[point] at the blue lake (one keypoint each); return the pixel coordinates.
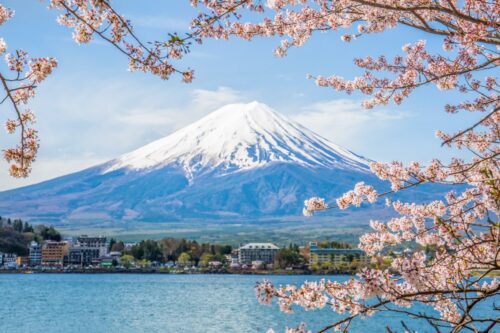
(134, 303)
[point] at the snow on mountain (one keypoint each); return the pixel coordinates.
(241, 161)
(240, 137)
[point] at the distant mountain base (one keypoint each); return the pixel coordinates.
(231, 232)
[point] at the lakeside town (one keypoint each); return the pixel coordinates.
(92, 253)
(43, 249)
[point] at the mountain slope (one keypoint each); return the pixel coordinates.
(241, 161)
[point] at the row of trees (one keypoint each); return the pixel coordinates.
(185, 251)
(334, 244)
(15, 235)
(174, 249)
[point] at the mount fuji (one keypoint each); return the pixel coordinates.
(241, 161)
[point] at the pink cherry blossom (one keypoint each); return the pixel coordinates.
(461, 229)
(452, 242)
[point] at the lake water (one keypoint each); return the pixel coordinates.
(134, 303)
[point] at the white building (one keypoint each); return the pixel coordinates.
(35, 254)
(9, 260)
(264, 252)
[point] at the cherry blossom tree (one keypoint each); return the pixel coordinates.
(463, 227)
(88, 19)
(19, 86)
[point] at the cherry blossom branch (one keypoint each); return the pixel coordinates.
(87, 19)
(470, 128)
(23, 161)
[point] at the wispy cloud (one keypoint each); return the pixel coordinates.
(86, 126)
(47, 168)
(199, 103)
(212, 99)
(345, 122)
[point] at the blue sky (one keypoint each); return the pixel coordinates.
(92, 109)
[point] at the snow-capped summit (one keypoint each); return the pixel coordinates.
(239, 137)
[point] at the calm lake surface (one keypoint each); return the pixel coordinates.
(134, 303)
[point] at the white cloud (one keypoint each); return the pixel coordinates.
(93, 123)
(213, 99)
(346, 122)
(200, 103)
(44, 169)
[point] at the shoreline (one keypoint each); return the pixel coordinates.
(191, 272)
(173, 272)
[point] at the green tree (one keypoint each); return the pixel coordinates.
(12, 241)
(184, 259)
(127, 260)
(147, 249)
(205, 259)
(315, 267)
(27, 227)
(219, 257)
(288, 257)
(333, 244)
(47, 233)
(327, 266)
(112, 242)
(143, 263)
(18, 225)
(226, 249)
(119, 246)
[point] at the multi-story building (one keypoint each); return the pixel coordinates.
(336, 257)
(35, 254)
(22, 261)
(9, 259)
(88, 251)
(264, 252)
(83, 256)
(98, 242)
(53, 253)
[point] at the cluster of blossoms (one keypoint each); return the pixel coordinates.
(461, 231)
(5, 14)
(360, 193)
(19, 87)
(355, 197)
(314, 205)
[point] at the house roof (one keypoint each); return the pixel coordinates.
(263, 246)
